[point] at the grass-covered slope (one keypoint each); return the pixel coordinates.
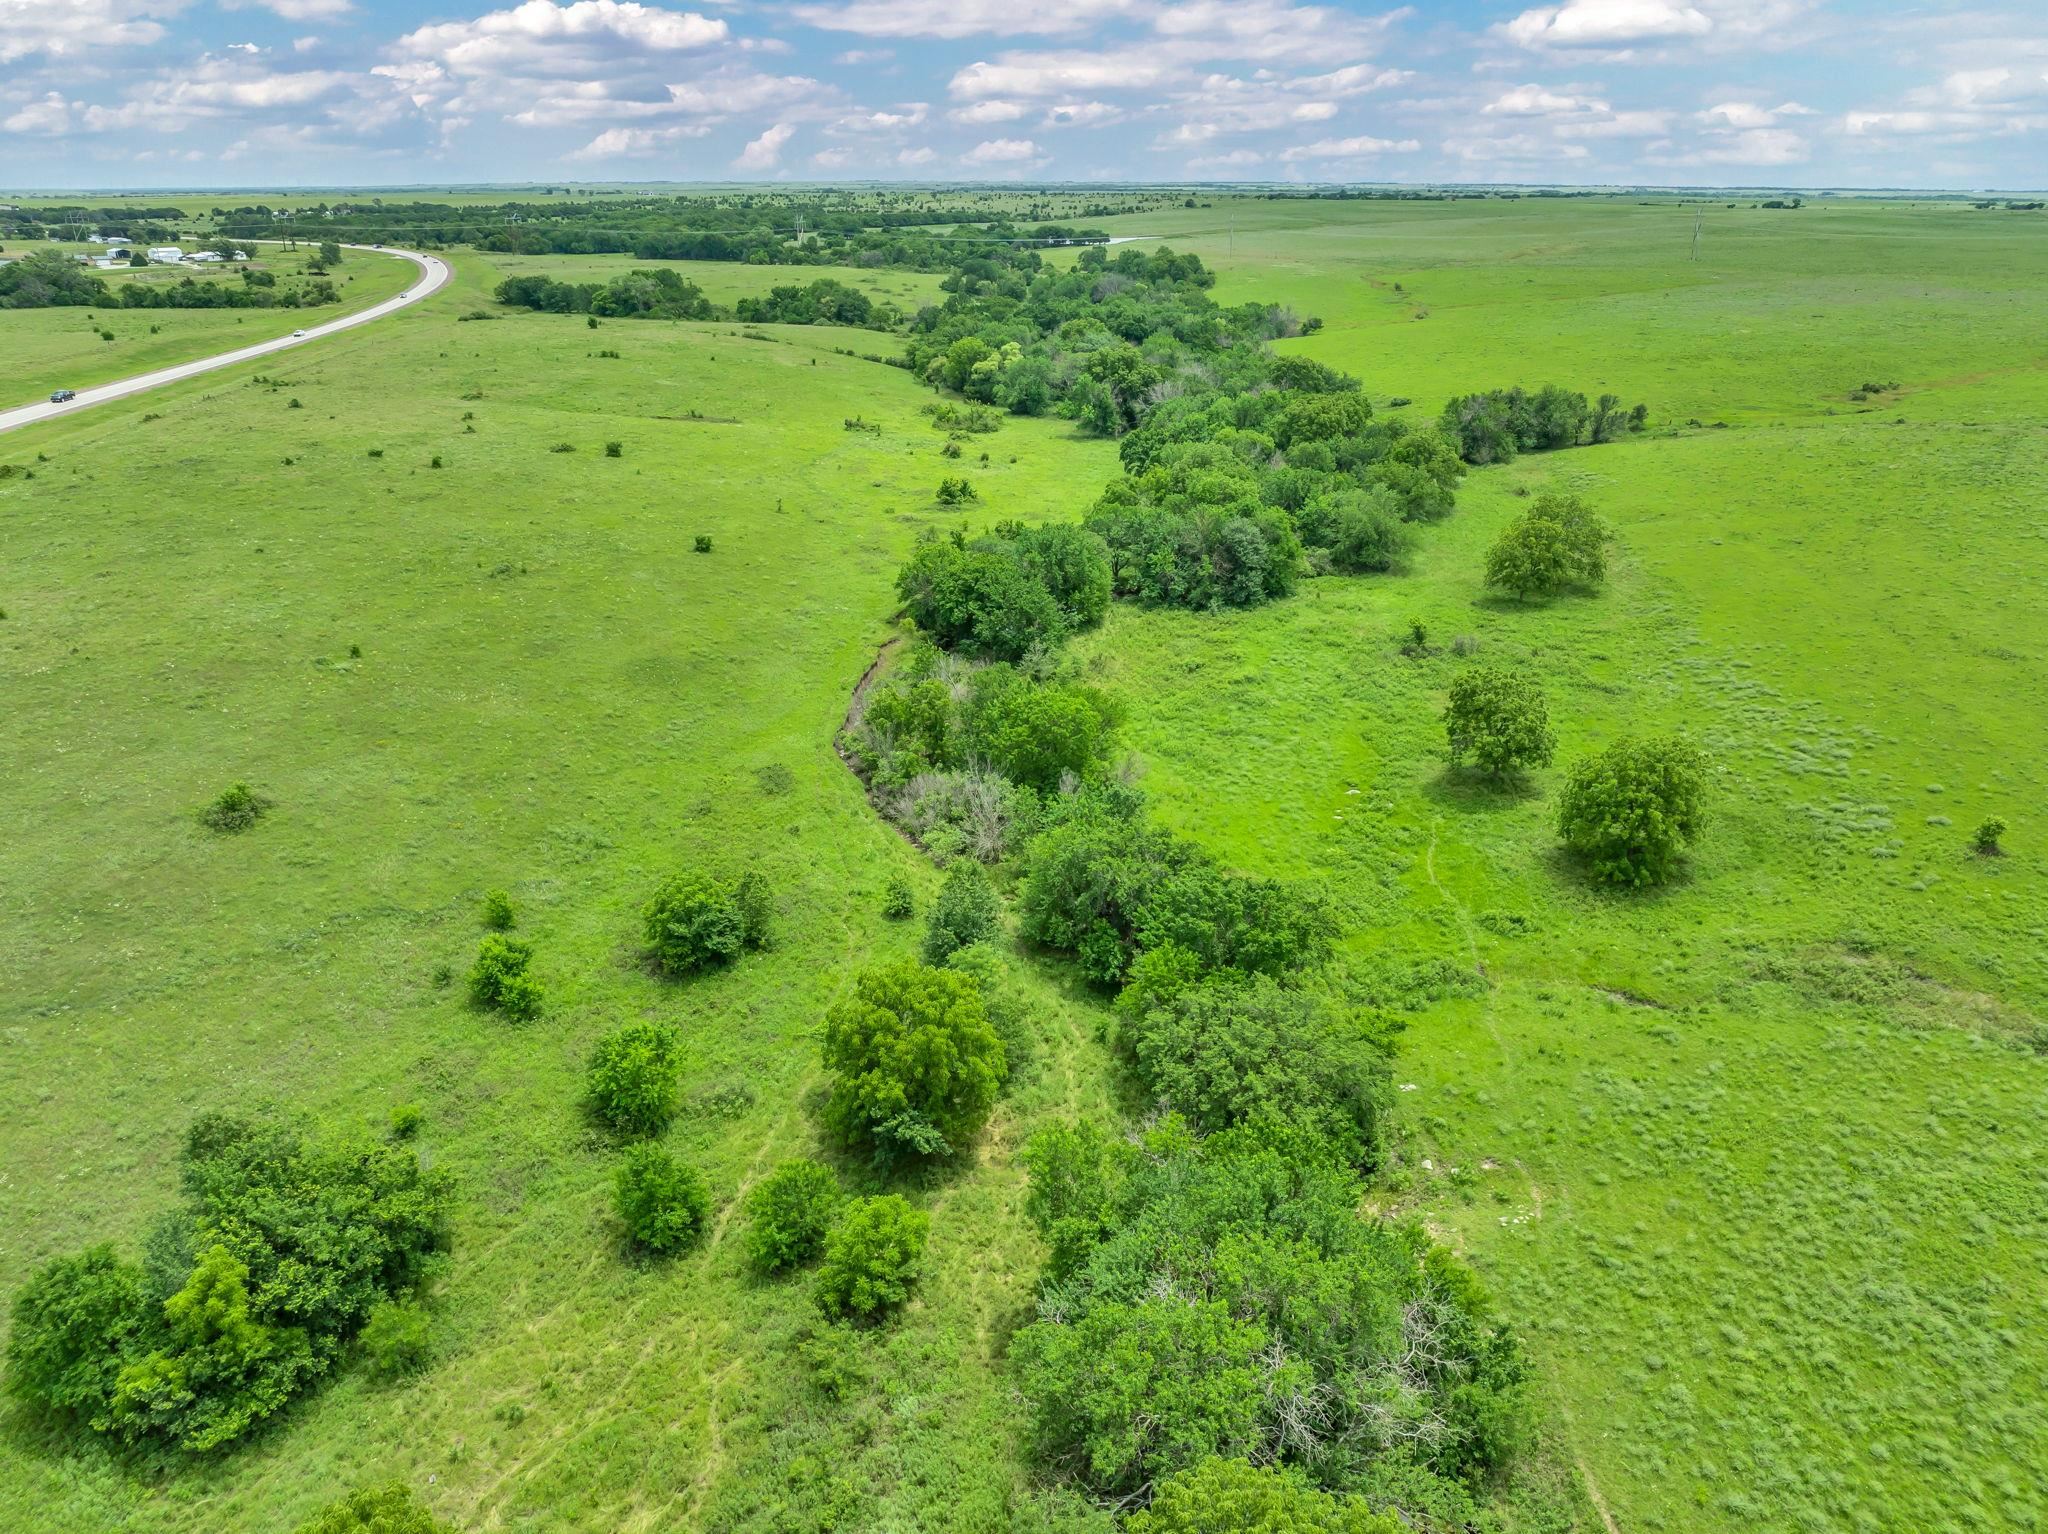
(555, 695)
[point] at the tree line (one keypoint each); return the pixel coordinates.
(47, 280)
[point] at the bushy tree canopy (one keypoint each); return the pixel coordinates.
(1555, 544)
(698, 919)
(915, 1065)
(872, 1257)
(790, 1210)
(1236, 1304)
(634, 1072)
(1231, 1051)
(1499, 719)
(283, 1249)
(663, 1202)
(1631, 810)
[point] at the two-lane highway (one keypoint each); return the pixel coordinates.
(433, 273)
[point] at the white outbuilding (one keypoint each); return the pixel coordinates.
(169, 254)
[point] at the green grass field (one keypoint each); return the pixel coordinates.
(1757, 1162)
(63, 348)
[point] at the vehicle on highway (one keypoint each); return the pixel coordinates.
(62, 395)
(298, 335)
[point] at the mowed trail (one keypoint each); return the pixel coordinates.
(434, 272)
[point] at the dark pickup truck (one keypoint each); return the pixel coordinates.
(62, 395)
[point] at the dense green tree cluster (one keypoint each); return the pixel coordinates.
(1103, 882)
(663, 1202)
(251, 1292)
(1001, 595)
(1496, 426)
(1231, 1049)
(45, 280)
(964, 757)
(1630, 810)
(634, 1073)
(654, 294)
(1243, 470)
(1225, 1297)
(1499, 719)
(824, 302)
(764, 228)
(872, 1257)
(791, 1210)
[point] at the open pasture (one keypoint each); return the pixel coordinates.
(1757, 1163)
(555, 695)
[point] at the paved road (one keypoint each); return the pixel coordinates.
(433, 273)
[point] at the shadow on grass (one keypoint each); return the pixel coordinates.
(1469, 791)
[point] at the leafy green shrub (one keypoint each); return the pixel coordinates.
(1557, 543)
(698, 919)
(614, 449)
(1015, 1013)
(497, 911)
(1986, 837)
(1038, 734)
(1631, 810)
(831, 1354)
(634, 1073)
(790, 1211)
(1234, 922)
(236, 809)
(915, 1066)
(406, 1120)
(701, 543)
(1229, 1496)
(1086, 879)
(73, 1323)
(1499, 719)
(954, 489)
(899, 898)
(872, 1257)
(282, 1252)
(390, 1509)
(966, 911)
(979, 598)
(398, 1339)
(499, 979)
(1231, 1051)
(663, 1202)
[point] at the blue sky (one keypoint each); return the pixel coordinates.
(184, 93)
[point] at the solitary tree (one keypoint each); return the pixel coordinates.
(330, 253)
(1498, 718)
(1631, 810)
(1557, 543)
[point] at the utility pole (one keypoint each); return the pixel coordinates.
(1697, 214)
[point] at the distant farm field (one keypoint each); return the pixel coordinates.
(1757, 1163)
(65, 348)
